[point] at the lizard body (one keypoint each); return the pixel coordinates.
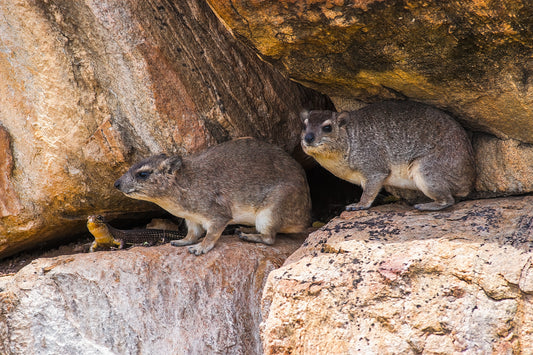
(106, 236)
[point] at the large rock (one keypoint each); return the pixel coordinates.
(158, 300)
(88, 87)
(473, 58)
(392, 280)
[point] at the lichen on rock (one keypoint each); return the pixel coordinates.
(408, 283)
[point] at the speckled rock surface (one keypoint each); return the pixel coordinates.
(157, 300)
(88, 87)
(392, 280)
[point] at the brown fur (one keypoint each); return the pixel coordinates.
(244, 181)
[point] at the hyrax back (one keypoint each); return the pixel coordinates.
(393, 143)
(244, 181)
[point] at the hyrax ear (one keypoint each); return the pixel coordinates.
(342, 118)
(304, 115)
(171, 164)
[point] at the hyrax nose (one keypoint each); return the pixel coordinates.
(117, 184)
(309, 138)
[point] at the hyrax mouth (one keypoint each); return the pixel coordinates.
(313, 145)
(133, 193)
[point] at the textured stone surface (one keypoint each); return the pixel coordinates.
(472, 58)
(504, 166)
(88, 87)
(9, 203)
(395, 281)
(157, 300)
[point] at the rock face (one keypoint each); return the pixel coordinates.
(472, 59)
(395, 281)
(158, 300)
(504, 166)
(87, 87)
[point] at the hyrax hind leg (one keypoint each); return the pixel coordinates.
(434, 185)
(194, 233)
(266, 227)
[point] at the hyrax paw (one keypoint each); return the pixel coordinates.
(246, 237)
(241, 235)
(179, 242)
(245, 230)
(250, 237)
(432, 206)
(356, 207)
(199, 249)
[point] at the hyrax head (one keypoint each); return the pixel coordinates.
(321, 129)
(150, 178)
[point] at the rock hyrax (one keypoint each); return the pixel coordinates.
(244, 181)
(393, 143)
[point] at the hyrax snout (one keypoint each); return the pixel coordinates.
(244, 181)
(393, 143)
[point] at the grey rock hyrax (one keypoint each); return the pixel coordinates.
(402, 144)
(244, 181)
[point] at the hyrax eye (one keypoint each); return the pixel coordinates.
(143, 174)
(327, 128)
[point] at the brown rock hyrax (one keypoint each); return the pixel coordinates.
(244, 181)
(393, 143)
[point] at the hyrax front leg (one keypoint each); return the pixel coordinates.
(371, 187)
(214, 231)
(194, 233)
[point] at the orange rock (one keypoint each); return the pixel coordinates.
(408, 282)
(504, 166)
(88, 88)
(471, 58)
